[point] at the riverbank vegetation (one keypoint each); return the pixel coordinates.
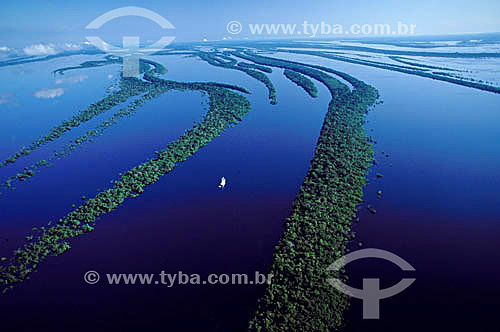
(316, 233)
(402, 69)
(318, 230)
(226, 108)
(221, 60)
(302, 81)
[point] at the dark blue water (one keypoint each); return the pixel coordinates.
(182, 223)
(439, 207)
(438, 210)
(439, 204)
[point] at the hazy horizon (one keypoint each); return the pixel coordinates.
(62, 21)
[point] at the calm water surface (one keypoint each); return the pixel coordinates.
(438, 210)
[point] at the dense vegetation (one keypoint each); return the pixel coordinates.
(254, 66)
(302, 68)
(327, 199)
(144, 65)
(401, 69)
(302, 81)
(128, 87)
(108, 60)
(221, 60)
(411, 63)
(319, 226)
(227, 108)
(154, 88)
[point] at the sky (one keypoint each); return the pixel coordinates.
(27, 22)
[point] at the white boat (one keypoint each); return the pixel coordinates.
(222, 183)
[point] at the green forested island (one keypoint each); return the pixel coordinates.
(318, 228)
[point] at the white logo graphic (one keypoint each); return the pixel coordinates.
(371, 294)
(91, 277)
(131, 52)
(234, 27)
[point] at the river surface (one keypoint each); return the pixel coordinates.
(438, 209)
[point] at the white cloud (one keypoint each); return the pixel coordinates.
(72, 79)
(40, 49)
(72, 47)
(4, 49)
(102, 45)
(5, 98)
(49, 93)
(105, 46)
